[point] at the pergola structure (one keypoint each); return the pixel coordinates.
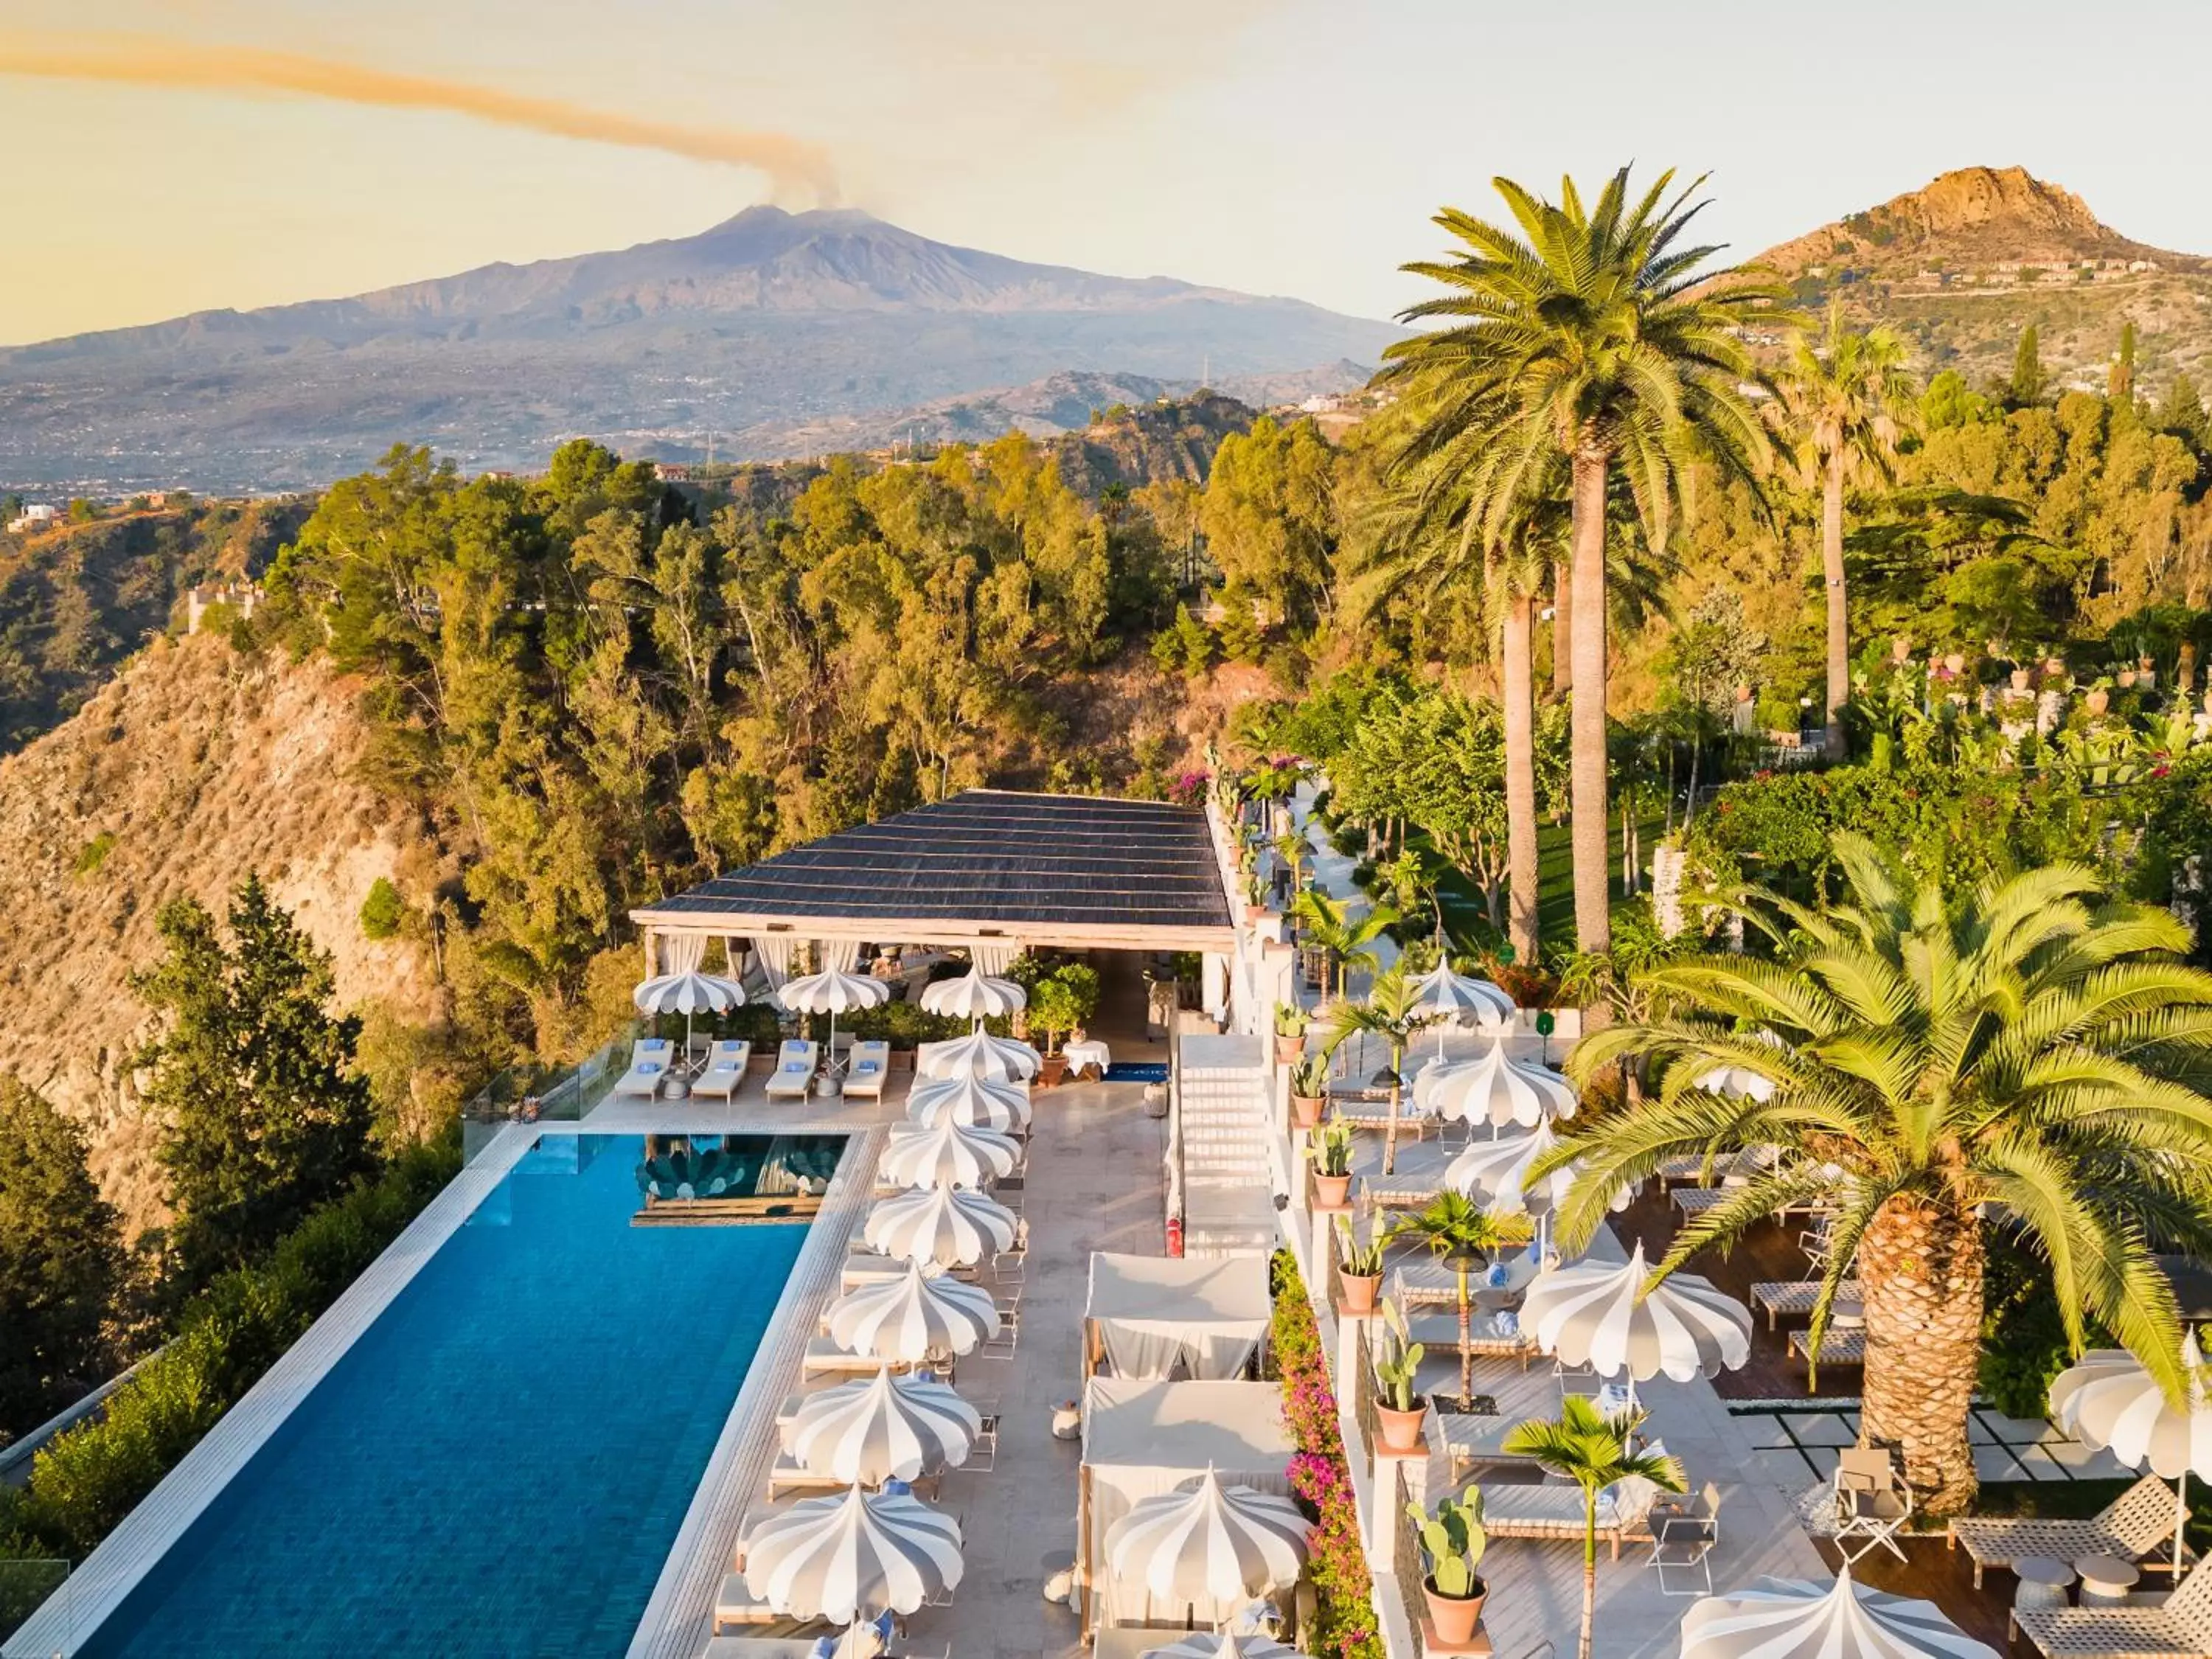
(991, 871)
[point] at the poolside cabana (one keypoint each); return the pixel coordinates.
(1154, 1316)
(1141, 1439)
(990, 873)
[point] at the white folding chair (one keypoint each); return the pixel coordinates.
(1872, 1505)
(1002, 1346)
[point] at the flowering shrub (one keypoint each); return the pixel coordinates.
(1343, 1618)
(1188, 788)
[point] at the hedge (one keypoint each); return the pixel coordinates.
(89, 1478)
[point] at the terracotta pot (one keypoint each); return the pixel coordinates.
(1288, 1048)
(2020, 677)
(1955, 661)
(2126, 677)
(1332, 1192)
(1305, 1111)
(1454, 1617)
(2099, 701)
(1053, 1069)
(1359, 1290)
(1400, 1431)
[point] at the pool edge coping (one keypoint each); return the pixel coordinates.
(115, 1567)
(678, 1616)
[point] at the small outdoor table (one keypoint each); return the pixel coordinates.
(2106, 1580)
(1088, 1052)
(2042, 1582)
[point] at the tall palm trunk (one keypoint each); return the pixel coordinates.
(1521, 857)
(1391, 1130)
(1590, 1570)
(1839, 617)
(1562, 631)
(1920, 1268)
(1593, 876)
(1466, 1340)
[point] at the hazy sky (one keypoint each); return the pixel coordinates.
(1292, 147)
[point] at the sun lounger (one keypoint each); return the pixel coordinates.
(2183, 1626)
(867, 1066)
(825, 1359)
(726, 1069)
(1623, 1510)
(794, 1075)
(651, 1060)
(2134, 1524)
(788, 1475)
(1839, 1347)
(1439, 1333)
(1789, 1297)
(736, 1605)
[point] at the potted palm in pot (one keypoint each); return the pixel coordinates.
(1359, 1273)
(1308, 1091)
(1399, 1406)
(1454, 1541)
(1332, 1160)
(1289, 1032)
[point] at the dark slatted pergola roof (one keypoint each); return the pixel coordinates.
(987, 862)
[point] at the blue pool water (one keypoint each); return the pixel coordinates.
(500, 1463)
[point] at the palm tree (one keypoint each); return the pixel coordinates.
(1462, 1232)
(1391, 1012)
(1345, 941)
(1591, 334)
(2035, 1052)
(1844, 402)
(1594, 1451)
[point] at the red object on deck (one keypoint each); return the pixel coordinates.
(1175, 1235)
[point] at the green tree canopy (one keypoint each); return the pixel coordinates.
(61, 1261)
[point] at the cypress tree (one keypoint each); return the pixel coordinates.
(61, 1261)
(2028, 379)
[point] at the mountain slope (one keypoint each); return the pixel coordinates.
(768, 319)
(191, 768)
(1963, 265)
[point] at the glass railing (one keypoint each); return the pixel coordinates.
(542, 1094)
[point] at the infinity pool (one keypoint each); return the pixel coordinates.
(501, 1461)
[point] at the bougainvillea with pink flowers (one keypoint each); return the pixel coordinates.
(1343, 1618)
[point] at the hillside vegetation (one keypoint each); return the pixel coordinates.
(1962, 265)
(194, 765)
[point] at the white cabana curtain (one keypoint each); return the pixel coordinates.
(773, 953)
(1214, 983)
(682, 953)
(1140, 1439)
(1157, 1314)
(842, 954)
(992, 956)
(733, 952)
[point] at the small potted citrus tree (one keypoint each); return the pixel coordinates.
(1453, 1541)
(1053, 1013)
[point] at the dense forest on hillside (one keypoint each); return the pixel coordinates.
(78, 598)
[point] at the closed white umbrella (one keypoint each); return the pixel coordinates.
(946, 1153)
(1449, 997)
(1495, 1174)
(904, 1320)
(1209, 1542)
(979, 1054)
(1596, 1314)
(1219, 1645)
(844, 1558)
(883, 1427)
(948, 1226)
(1792, 1619)
(688, 994)
(833, 992)
(2109, 1399)
(981, 1101)
(977, 996)
(1738, 1083)
(1496, 1089)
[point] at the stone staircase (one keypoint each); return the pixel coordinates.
(1228, 1191)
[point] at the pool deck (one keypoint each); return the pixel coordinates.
(1093, 1181)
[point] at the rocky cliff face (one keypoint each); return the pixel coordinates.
(191, 767)
(1973, 215)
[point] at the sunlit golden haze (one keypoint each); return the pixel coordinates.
(248, 152)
